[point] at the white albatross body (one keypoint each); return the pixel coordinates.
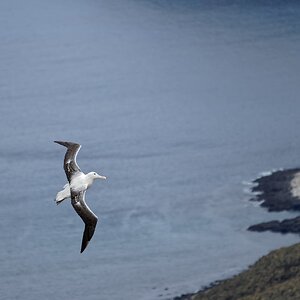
(80, 182)
(76, 188)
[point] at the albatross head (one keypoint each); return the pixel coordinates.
(95, 175)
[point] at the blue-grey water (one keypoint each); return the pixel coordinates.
(178, 103)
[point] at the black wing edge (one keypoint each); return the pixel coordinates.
(70, 164)
(88, 217)
(87, 235)
(66, 144)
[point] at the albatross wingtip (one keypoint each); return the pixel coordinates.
(83, 248)
(61, 143)
(88, 233)
(67, 144)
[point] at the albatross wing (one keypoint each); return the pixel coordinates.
(87, 216)
(70, 164)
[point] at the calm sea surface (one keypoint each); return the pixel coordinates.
(178, 103)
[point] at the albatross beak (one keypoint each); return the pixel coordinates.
(101, 177)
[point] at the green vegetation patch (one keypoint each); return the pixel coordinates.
(275, 276)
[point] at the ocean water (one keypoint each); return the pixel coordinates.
(179, 104)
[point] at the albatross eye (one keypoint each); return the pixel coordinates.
(94, 173)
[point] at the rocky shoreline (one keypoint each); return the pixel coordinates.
(276, 193)
(276, 275)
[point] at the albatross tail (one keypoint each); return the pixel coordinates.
(63, 194)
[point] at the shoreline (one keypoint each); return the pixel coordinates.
(277, 274)
(273, 276)
(277, 192)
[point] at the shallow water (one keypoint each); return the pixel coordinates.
(177, 103)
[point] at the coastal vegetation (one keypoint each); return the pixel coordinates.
(275, 276)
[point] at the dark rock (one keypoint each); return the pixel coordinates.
(286, 226)
(184, 297)
(275, 191)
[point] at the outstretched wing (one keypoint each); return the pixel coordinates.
(87, 216)
(70, 164)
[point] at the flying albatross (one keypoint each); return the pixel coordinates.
(76, 188)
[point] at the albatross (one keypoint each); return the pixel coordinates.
(78, 183)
